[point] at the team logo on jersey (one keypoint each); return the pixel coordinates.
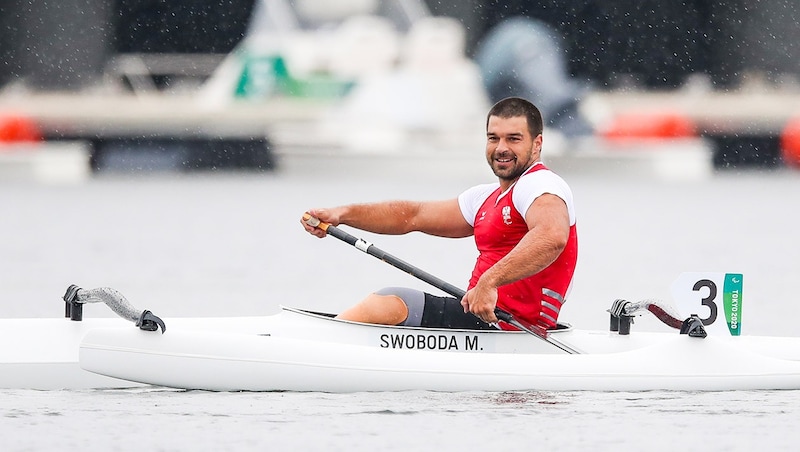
(506, 214)
(483, 215)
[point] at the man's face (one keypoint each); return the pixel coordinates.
(510, 149)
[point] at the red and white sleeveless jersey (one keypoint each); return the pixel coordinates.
(498, 222)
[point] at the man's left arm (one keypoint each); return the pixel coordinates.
(548, 232)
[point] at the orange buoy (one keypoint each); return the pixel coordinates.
(16, 128)
(790, 143)
(650, 125)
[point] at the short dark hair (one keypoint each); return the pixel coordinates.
(516, 106)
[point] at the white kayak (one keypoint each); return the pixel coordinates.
(297, 350)
(42, 353)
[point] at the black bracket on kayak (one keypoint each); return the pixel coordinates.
(620, 319)
(73, 309)
(150, 322)
(622, 312)
(693, 326)
(145, 320)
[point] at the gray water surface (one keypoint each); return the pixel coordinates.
(231, 244)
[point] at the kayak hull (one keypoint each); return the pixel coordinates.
(294, 357)
(297, 350)
(42, 353)
(236, 362)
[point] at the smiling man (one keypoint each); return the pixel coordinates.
(524, 229)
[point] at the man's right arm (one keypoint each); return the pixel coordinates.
(440, 218)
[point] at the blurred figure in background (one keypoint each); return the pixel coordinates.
(523, 57)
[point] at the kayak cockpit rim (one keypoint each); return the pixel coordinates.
(562, 327)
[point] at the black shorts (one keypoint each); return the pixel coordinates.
(447, 312)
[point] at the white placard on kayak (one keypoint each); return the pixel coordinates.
(714, 296)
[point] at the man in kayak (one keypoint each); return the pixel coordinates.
(524, 229)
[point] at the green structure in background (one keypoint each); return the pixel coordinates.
(264, 76)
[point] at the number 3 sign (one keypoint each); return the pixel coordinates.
(715, 297)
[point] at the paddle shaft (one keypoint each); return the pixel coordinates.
(374, 251)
